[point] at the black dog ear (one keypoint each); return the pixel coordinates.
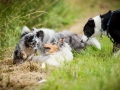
(101, 16)
(90, 19)
(40, 34)
(91, 22)
(109, 11)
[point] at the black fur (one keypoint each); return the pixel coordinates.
(24, 34)
(89, 28)
(28, 41)
(104, 19)
(114, 26)
(17, 55)
(40, 34)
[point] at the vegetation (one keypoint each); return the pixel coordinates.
(90, 70)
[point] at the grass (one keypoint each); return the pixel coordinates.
(90, 70)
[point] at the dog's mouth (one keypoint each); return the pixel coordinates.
(47, 49)
(50, 48)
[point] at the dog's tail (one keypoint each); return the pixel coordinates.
(94, 42)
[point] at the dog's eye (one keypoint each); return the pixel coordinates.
(53, 43)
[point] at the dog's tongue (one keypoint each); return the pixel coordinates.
(47, 49)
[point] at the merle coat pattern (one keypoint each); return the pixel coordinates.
(26, 47)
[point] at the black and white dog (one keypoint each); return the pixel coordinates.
(107, 24)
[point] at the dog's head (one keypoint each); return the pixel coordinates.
(40, 35)
(94, 25)
(27, 46)
(53, 47)
(89, 29)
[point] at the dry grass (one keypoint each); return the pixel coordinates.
(26, 74)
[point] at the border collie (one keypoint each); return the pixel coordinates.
(26, 47)
(55, 54)
(107, 24)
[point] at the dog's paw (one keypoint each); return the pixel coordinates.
(23, 55)
(43, 65)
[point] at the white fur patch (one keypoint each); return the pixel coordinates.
(57, 59)
(84, 38)
(117, 53)
(25, 29)
(97, 28)
(94, 42)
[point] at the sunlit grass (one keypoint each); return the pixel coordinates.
(90, 70)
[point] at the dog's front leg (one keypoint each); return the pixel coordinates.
(30, 57)
(43, 65)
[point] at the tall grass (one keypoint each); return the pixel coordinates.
(32, 13)
(55, 14)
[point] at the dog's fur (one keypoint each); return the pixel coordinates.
(26, 46)
(32, 41)
(55, 54)
(74, 40)
(94, 25)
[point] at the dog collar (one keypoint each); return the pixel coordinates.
(108, 23)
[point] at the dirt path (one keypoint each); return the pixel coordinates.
(78, 26)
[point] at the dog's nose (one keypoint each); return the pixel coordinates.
(81, 41)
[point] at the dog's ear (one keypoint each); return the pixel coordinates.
(109, 11)
(40, 34)
(91, 22)
(61, 41)
(101, 16)
(34, 29)
(25, 31)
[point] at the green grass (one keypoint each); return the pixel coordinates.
(91, 70)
